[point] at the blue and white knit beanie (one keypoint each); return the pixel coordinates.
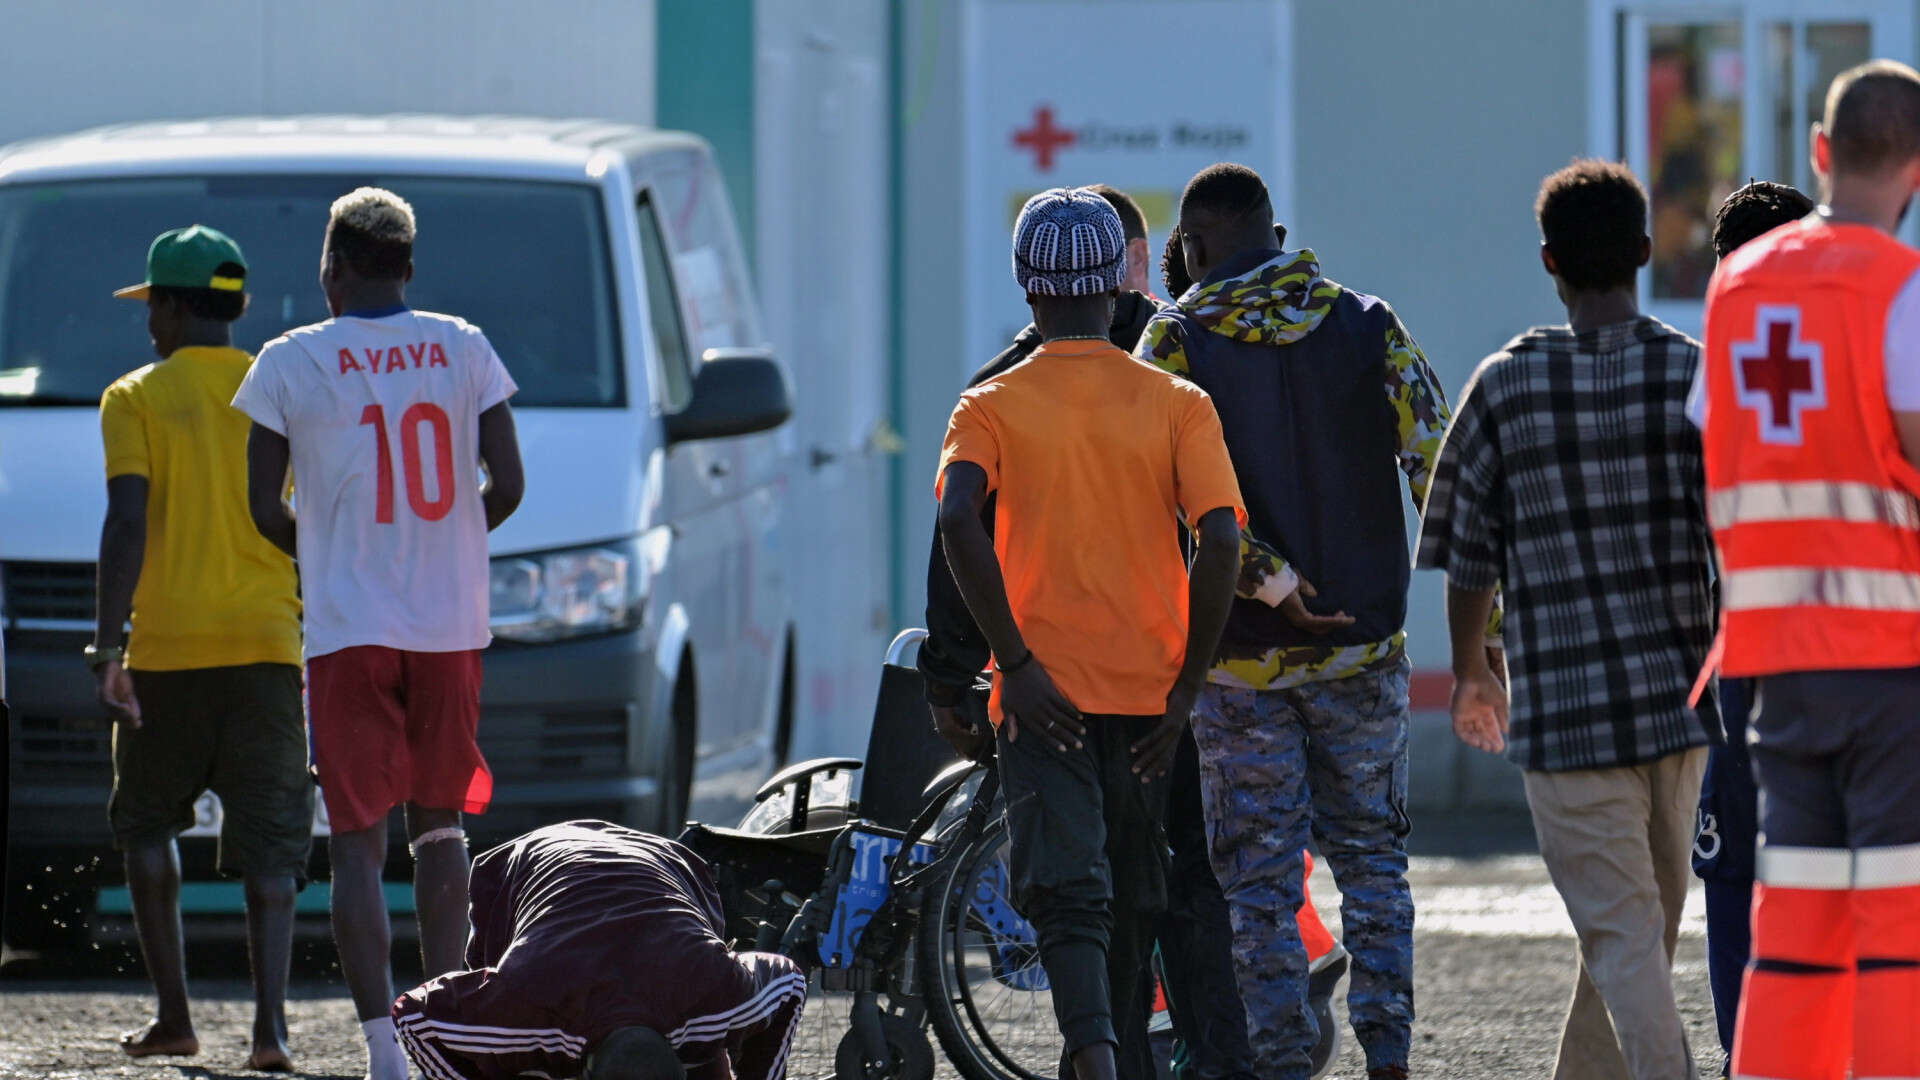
(1068, 242)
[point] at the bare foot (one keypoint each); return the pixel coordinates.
(270, 1059)
(270, 1047)
(157, 1040)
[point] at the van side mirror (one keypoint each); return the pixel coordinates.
(735, 392)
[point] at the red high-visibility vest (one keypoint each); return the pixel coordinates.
(1811, 501)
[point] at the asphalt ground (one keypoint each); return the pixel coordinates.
(1494, 959)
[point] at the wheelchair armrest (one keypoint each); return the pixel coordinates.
(942, 786)
(799, 771)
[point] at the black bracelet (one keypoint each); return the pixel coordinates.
(1008, 669)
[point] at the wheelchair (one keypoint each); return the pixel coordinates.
(896, 902)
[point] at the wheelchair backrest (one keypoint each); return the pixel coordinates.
(904, 753)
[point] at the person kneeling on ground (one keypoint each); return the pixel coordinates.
(599, 951)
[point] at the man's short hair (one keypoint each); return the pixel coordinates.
(220, 305)
(1593, 217)
(634, 1053)
(1133, 223)
(1226, 193)
(1873, 117)
(1755, 210)
(372, 229)
(1173, 260)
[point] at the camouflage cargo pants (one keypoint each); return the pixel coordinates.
(1329, 760)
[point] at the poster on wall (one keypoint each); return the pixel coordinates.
(1139, 94)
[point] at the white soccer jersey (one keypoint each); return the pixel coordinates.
(383, 416)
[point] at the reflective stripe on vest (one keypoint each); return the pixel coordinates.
(1803, 867)
(1801, 500)
(1819, 586)
(1886, 867)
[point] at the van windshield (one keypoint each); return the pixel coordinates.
(525, 261)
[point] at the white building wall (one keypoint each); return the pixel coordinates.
(69, 64)
(821, 160)
(1417, 178)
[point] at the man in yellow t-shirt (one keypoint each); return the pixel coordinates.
(206, 694)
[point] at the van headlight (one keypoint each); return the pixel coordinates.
(560, 594)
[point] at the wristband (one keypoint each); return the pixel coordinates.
(1008, 669)
(98, 658)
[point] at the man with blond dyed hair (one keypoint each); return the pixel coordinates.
(382, 412)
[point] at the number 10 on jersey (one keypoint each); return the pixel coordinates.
(435, 418)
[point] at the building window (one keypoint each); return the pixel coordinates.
(1695, 102)
(1700, 98)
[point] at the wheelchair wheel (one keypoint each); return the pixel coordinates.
(986, 993)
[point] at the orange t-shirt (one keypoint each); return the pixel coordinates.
(1094, 454)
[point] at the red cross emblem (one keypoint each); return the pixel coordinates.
(1778, 375)
(1043, 138)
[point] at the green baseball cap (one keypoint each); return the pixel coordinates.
(191, 258)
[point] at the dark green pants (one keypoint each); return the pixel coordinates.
(239, 732)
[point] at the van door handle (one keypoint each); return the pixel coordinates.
(718, 469)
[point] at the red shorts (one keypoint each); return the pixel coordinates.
(391, 727)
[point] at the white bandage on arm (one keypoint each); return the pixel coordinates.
(1274, 591)
(451, 832)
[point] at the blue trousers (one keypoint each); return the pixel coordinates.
(1328, 761)
(1723, 856)
(1729, 943)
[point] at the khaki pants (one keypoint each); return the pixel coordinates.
(1617, 843)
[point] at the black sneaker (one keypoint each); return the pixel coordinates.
(1323, 979)
(1388, 1072)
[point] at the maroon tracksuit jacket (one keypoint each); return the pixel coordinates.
(582, 928)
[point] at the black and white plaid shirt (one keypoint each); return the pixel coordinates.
(1572, 478)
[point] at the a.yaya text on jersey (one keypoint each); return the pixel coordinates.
(394, 358)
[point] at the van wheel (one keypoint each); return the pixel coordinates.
(676, 762)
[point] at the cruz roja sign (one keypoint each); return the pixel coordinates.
(1045, 139)
(1076, 92)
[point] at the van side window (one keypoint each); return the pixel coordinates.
(663, 307)
(710, 272)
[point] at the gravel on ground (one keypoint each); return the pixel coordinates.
(1493, 952)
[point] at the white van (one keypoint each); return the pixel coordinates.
(642, 664)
